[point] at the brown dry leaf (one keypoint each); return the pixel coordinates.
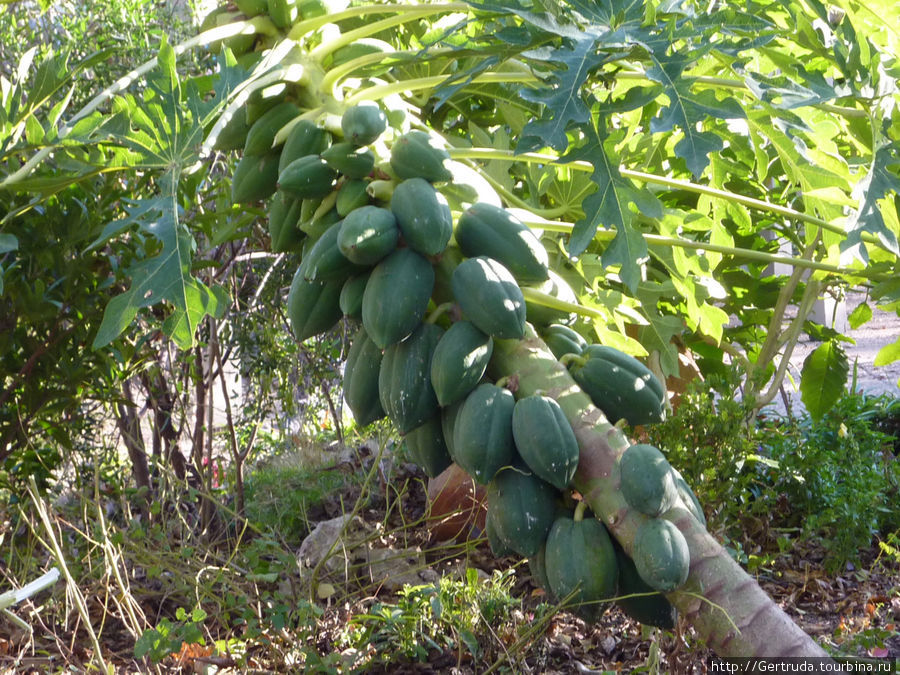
(189, 652)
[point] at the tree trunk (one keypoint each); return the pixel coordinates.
(726, 607)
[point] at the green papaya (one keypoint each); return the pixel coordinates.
(545, 440)
(562, 340)
(305, 138)
(284, 214)
(423, 216)
(498, 546)
(312, 306)
(307, 178)
(523, 508)
(482, 432)
(646, 480)
(490, 297)
(362, 124)
(646, 605)
(580, 562)
(555, 288)
(688, 497)
(620, 385)
(360, 386)
(252, 7)
(261, 137)
(488, 230)
(460, 361)
(324, 260)
(404, 383)
(449, 414)
(427, 447)
(352, 295)
(368, 235)
(359, 48)
(661, 554)
(254, 178)
(351, 195)
(233, 133)
(416, 155)
(349, 160)
(282, 12)
(396, 297)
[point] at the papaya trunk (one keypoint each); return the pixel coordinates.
(726, 607)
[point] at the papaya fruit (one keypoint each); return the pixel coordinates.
(427, 447)
(282, 12)
(482, 432)
(448, 422)
(351, 195)
(416, 155)
(283, 216)
(488, 230)
(523, 508)
(361, 379)
(254, 178)
(646, 605)
(620, 385)
(349, 160)
(397, 296)
(252, 7)
(359, 48)
(661, 554)
(312, 306)
(404, 382)
(562, 339)
(497, 545)
(423, 216)
(309, 177)
(489, 297)
(554, 287)
(351, 296)
(362, 124)
(261, 137)
(233, 133)
(305, 138)
(647, 481)
(580, 561)
(460, 361)
(545, 440)
(368, 234)
(688, 497)
(324, 260)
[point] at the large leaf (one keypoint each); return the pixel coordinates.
(881, 182)
(823, 378)
(161, 133)
(610, 207)
(688, 109)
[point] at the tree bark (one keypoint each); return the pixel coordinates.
(726, 606)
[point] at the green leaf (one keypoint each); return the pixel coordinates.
(608, 207)
(688, 109)
(860, 315)
(823, 378)
(879, 183)
(8, 242)
(888, 354)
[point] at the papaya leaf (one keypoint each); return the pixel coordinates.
(160, 132)
(881, 181)
(823, 378)
(688, 109)
(608, 207)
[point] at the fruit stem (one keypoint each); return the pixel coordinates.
(378, 92)
(568, 359)
(439, 311)
(579, 511)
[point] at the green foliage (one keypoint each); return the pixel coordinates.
(839, 477)
(285, 494)
(167, 638)
(450, 615)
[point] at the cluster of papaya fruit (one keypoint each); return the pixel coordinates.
(377, 243)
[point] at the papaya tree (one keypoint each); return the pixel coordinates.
(516, 202)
